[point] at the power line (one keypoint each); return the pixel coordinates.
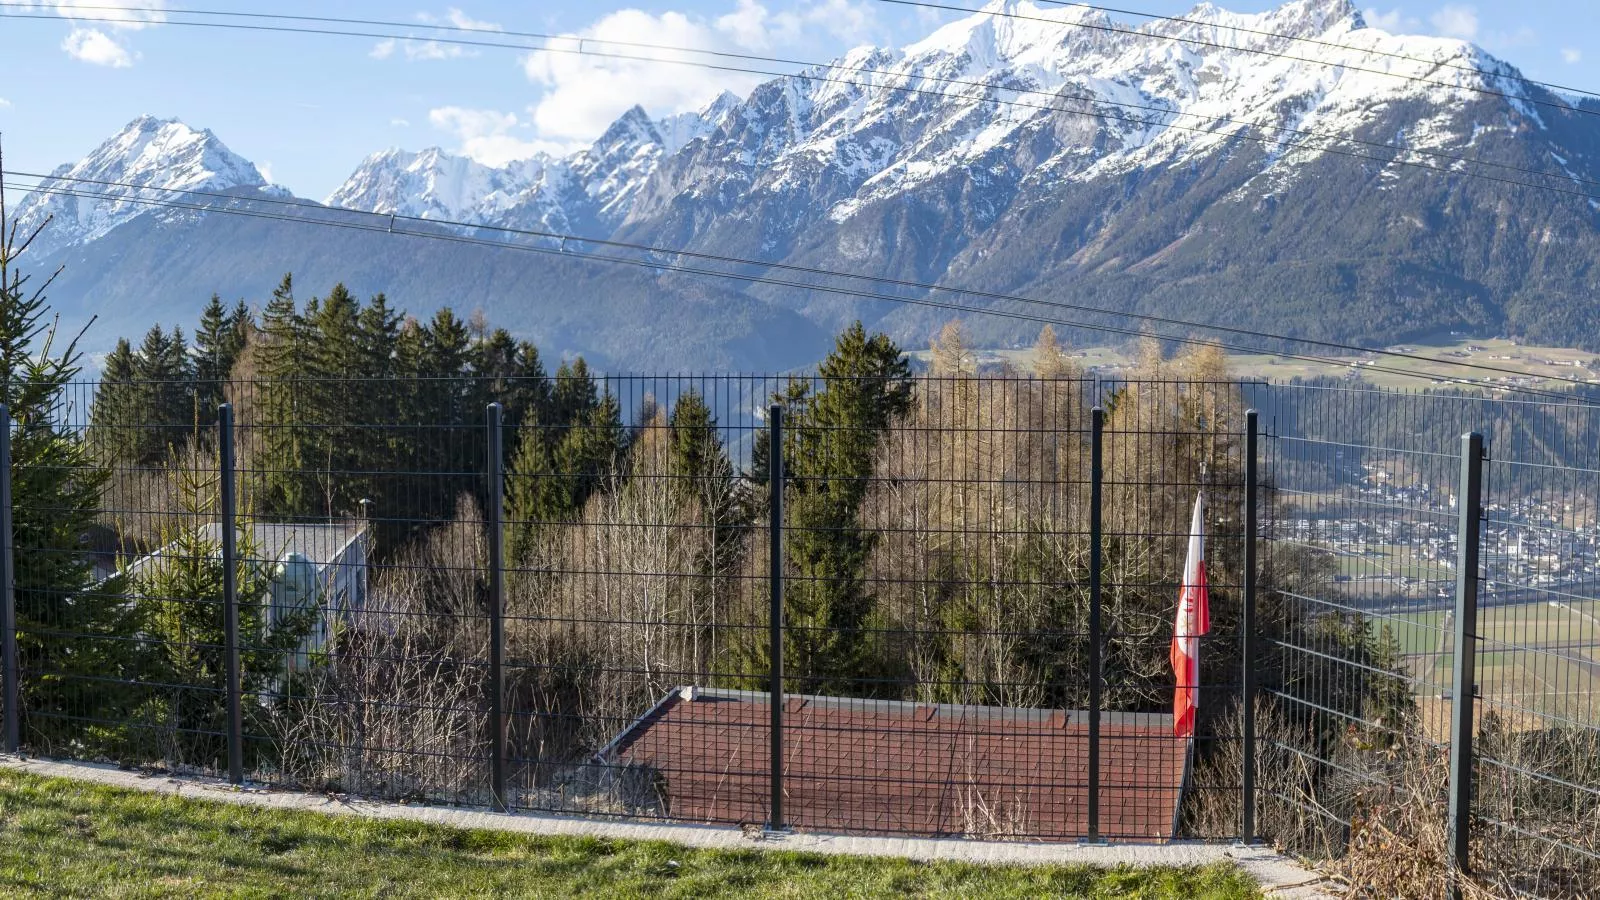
(1200, 42)
(792, 267)
(583, 47)
(1332, 45)
(536, 35)
(386, 224)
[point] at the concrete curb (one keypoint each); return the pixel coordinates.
(1279, 876)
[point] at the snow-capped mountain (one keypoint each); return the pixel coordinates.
(1298, 159)
(434, 184)
(591, 188)
(144, 161)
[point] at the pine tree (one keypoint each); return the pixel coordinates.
(831, 448)
(535, 498)
(282, 361)
(590, 451)
(379, 399)
(179, 600)
(510, 372)
(332, 402)
(218, 343)
(112, 421)
(67, 624)
(575, 393)
(164, 378)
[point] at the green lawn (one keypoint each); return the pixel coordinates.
(63, 838)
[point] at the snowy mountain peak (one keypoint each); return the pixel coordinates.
(1005, 31)
(434, 184)
(146, 160)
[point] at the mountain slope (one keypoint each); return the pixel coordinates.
(1204, 169)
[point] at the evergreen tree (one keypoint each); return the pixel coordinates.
(112, 421)
(510, 372)
(383, 447)
(334, 402)
(282, 360)
(574, 395)
(831, 445)
(218, 342)
(163, 376)
(589, 452)
(179, 601)
(535, 498)
(68, 625)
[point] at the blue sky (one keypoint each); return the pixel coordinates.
(309, 108)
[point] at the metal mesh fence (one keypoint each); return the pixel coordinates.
(574, 612)
(1366, 547)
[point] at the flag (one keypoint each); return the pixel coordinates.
(1194, 619)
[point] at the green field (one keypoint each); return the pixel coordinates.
(1535, 660)
(69, 839)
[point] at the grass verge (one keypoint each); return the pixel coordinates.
(61, 838)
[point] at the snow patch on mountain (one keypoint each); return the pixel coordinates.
(145, 161)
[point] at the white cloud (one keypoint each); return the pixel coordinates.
(1571, 56)
(751, 25)
(1456, 22)
(486, 135)
(265, 169)
(399, 123)
(846, 20)
(430, 49)
(95, 47)
(419, 51)
(461, 20)
(91, 43)
(130, 15)
(1395, 21)
(4, 103)
(585, 93)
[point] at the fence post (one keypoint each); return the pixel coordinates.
(775, 479)
(1464, 682)
(1096, 635)
(230, 591)
(8, 594)
(497, 611)
(1247, 636)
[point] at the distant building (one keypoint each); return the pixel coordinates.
(309, 566)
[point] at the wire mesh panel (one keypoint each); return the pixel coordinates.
(1367, 521)
(936, 604)
(1363, 565)
(1537, 779)
(1174, 485)
(636, 599)
(119, 616)
(363, 585)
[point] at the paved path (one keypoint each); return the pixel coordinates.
(1280, 877)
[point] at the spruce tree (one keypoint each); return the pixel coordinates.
(179, 601)
(163, 376)
(333, 402)
(218, 342)
(113, 431)
(831, 448)
(69, 623)
(283, 359)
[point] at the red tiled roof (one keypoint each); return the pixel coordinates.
(882, 766)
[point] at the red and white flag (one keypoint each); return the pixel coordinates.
(1194, 619)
